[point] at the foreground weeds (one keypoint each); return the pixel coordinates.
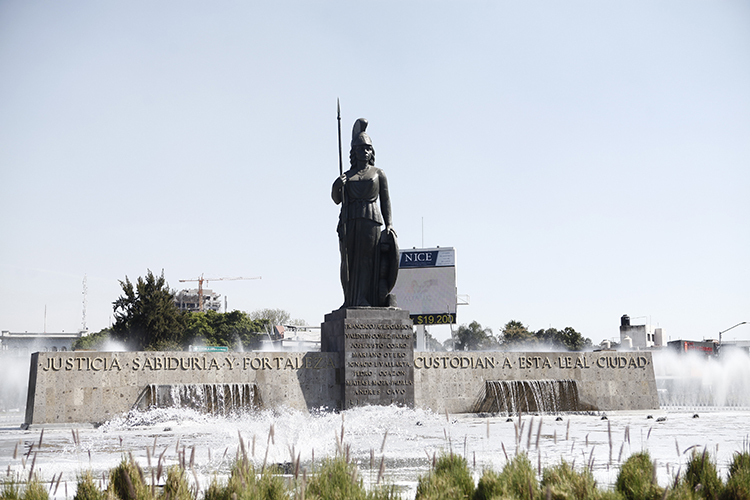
(701, 476)
(516, 480)
(563, 482)
(450, 478)
(87, 488)
(337, 479)
(245, 482)
(637, 478)
(738, 484)
(32, 489)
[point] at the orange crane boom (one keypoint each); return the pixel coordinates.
(202, 279)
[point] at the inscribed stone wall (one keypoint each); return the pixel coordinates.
(607, 380)
(95, 386)
(90, 387)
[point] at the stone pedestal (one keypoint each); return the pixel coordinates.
(377, 349)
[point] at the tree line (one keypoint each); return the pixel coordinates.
(514, 336)
(147, 318)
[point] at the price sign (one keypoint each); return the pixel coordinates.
(433, 319)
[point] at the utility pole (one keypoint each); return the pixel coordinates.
(84, 328)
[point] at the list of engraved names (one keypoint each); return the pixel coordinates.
(379, 364)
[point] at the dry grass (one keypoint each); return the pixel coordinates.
(338, 478)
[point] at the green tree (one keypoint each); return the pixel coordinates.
(515, 335)
(474, 338)
(146, 316)
(566, 338)
(199, 328)
(93, 341)
(239, 327)
(230, 329)
(573, 340)
(549, 337)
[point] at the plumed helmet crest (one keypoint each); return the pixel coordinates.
(359, 136)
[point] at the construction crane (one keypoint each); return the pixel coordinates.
(202, 279)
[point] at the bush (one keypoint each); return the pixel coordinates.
(10, 490)
(637, 478)
(176, 487)
(434, 487)
(738, 484)
(35, 490)
(87, 489)
(740, 462)
(448, 480)
(336, 480)
(126, 482)
(565, 483)
(245, 483)
(517, 480)
(701, 476)
(93, 341)
(490, 486)
(683, 492)
(608, 495)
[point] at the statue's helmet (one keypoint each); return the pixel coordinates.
(359, 136)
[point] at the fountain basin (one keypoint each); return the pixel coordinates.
(93, 387)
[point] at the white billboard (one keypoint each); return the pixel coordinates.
(426, 285)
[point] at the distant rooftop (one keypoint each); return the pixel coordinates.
(40, 335)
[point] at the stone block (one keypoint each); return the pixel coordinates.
(377, 350)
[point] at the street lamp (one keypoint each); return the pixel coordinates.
(725, 331)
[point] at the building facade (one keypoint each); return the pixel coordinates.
(189, 300)
(26, 343)
(639, 336)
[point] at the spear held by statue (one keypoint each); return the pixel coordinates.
(343, 198)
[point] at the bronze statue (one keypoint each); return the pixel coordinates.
(369, 253)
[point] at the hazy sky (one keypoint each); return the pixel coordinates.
(585, 159)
